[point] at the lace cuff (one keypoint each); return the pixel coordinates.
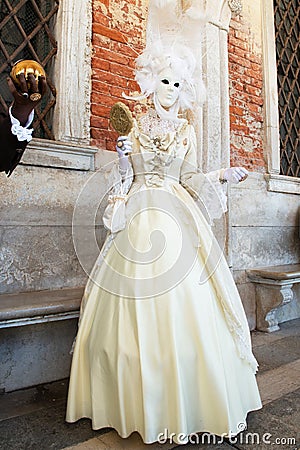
(114, 217)
(214, 193)
(22, 133)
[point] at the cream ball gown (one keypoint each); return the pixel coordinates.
(163, 344)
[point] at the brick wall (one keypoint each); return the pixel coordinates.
(118, 33)
(246, 100)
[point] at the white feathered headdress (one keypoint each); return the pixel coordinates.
(174, 38)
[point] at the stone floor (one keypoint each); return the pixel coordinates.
(33, 419)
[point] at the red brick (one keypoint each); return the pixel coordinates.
(254, 108)
(256, 67)
(234, 120)
(99, 143)
(108, 32)
(99, 122)
(238, 85)
(255, 58)
(98, 134)
(98, 86)
(99, 19)
(99, 110)
(108, 55)
(246, 80)
(110, 78)
(237, 69)
(100, 41)
(230, 48)
(133, 86)
(97, 4)
(241, 129)
(239, 60)
(116, 91)
(256, 100)
(242, 44)
(103, 99)
(99, 63)
(132, 63)
(240, 52)
(252, 90)
(121, 70)
(257, 82)
(253, 73)
(125, 49)
(111, 145)
(236, 110)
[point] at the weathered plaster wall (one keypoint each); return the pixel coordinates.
(36, 209)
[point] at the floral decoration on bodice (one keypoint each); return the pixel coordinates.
(160, 142)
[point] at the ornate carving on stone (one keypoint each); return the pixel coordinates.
(269, 296)
(287, 294)
(235, 6)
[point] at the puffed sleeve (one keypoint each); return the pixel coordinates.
(208, 187)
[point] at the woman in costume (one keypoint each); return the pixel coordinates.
(163, 344)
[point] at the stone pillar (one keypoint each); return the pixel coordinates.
(271, 119)
(216, 145)
(71, 122)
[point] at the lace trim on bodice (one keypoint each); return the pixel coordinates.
(155, 127)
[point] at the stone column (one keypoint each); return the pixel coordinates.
(71, 120)
(271, 119)
(216, 144)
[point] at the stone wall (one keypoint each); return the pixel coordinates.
(36, 207)
(36, 241)
(264, 231)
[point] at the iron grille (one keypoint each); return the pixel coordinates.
(26, 32)
(287, 35)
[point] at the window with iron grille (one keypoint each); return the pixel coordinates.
(287, 32)
(27, 32)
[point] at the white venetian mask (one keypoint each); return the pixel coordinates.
(168, 87)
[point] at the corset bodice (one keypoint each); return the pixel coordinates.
(159, 148)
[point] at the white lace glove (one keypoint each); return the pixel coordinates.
(234, 174)
(124, 148)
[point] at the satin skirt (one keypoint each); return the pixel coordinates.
(154, 352)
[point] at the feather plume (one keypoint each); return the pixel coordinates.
(174, 39)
